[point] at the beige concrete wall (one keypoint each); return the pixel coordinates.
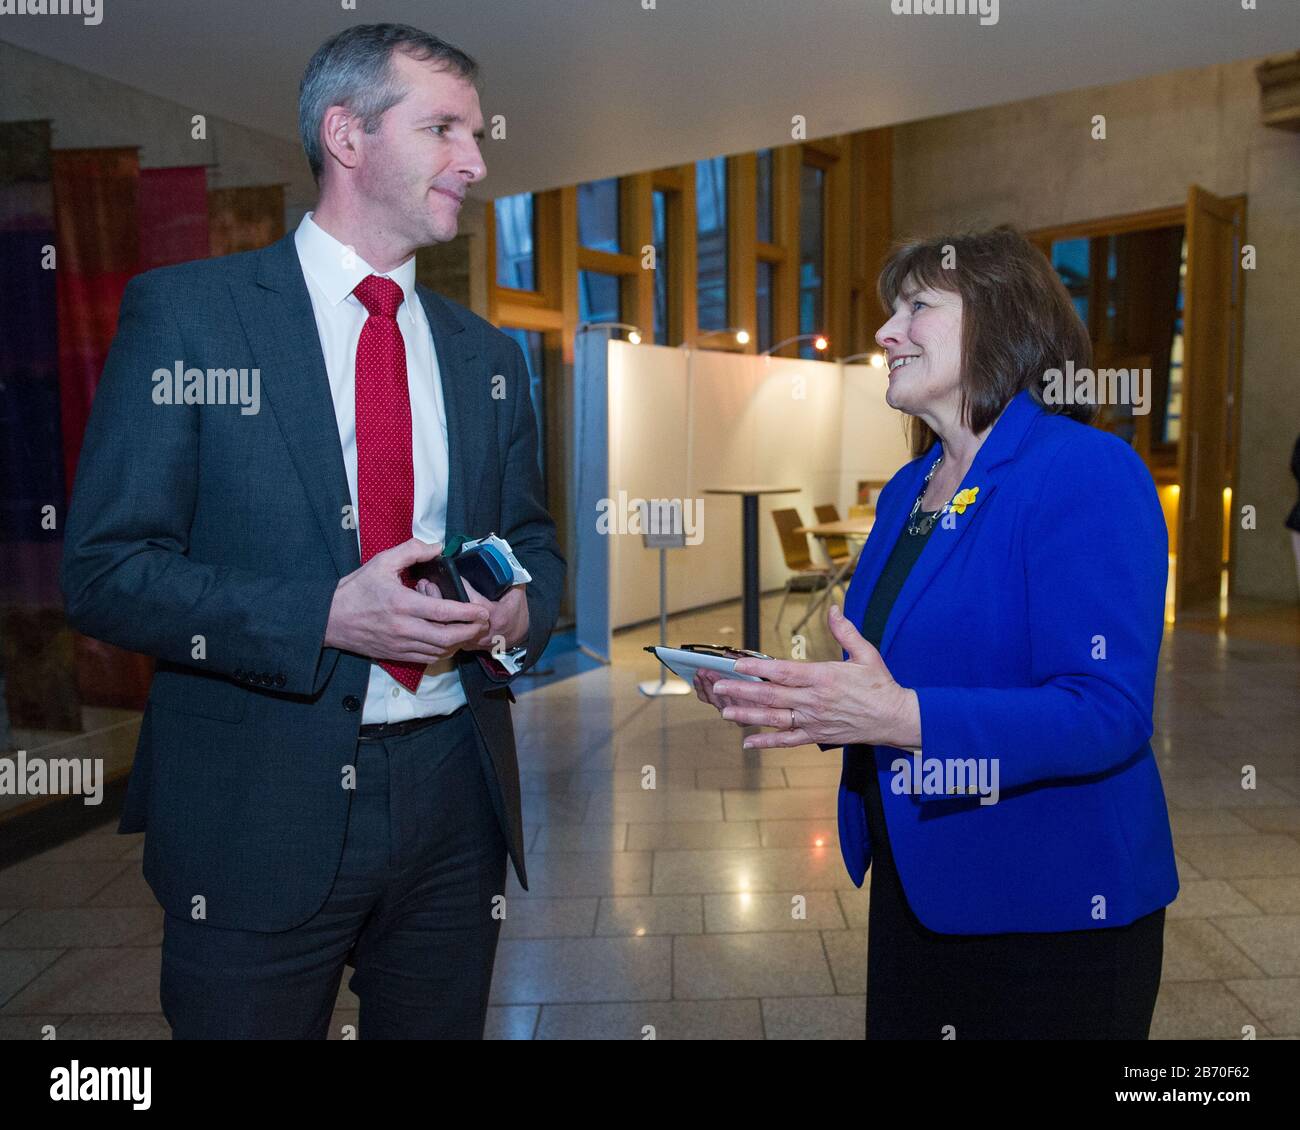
(1035, 164)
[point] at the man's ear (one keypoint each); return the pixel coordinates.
(339, 129)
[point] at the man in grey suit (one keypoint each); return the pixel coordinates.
(326, 771)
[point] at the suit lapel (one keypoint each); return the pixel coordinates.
(991, 464)
(461, 396)
(280, 325)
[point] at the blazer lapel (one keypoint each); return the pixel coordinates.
(278, 319)
(880, 542)
(467, 421)
(990, 465)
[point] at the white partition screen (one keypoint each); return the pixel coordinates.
(681, 421)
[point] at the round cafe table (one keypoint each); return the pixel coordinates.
(749, 493)
(857, 528)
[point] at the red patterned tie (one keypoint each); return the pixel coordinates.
(385, 472)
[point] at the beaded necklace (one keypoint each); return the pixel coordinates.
(926, 523)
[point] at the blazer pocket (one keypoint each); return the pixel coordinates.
(207, 696)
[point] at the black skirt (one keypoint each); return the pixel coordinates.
(1096, 984)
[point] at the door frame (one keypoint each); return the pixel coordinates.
(1178, 216)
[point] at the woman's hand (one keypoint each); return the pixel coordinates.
(856, 702)
(703, 683)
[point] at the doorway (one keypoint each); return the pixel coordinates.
(1161, 293)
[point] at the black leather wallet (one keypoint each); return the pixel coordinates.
(482, 565)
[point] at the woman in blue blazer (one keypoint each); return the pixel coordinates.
(1000, 642)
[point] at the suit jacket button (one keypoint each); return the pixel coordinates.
(280, 680)
(351, 702)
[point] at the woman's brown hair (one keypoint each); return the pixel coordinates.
(1017, 319)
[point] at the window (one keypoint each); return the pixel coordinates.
(812, 315)
(765, 196)
(530, 341)
(1127, 288)
(1070, 257)
(1174, 399)
(711, 245)
(516, 259)
(598, 297)
(764, 312)
(1111, 329)
(663, 330)
(598, 215)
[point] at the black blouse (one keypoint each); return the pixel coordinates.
(859, 773)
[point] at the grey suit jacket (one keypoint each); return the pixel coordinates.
(213, 539)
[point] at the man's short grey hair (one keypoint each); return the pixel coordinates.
(355, 69)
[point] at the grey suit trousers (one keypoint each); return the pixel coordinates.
(411, 908)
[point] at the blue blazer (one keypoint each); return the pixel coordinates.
(1030, 628)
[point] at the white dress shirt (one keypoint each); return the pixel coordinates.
(332, 270)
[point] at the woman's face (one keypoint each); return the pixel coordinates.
(922, 344)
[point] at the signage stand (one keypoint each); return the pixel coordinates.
(654, 536)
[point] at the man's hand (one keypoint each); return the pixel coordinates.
(507, 625)
(375, 615)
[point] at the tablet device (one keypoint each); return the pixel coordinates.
(685, 661)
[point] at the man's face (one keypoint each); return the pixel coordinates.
(415, 169)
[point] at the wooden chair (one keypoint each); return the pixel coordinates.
(805, 576)
(837, 548)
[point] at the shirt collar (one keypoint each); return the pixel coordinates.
(325, 259)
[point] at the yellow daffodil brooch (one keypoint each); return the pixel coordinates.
(963, 499)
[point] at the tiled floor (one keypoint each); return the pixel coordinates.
(673, 907)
